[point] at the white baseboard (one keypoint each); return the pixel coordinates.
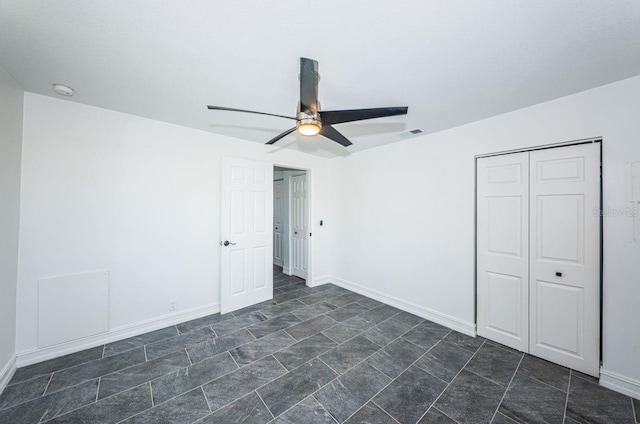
(7, 372)
(464, 327)
(38, 355)
(325, 279)
(620, 383)
(286, 270)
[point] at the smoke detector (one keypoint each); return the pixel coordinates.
(63, 90)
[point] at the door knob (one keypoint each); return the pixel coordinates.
(227, 243)
(276, 228)
(558, 274)
(296, 232)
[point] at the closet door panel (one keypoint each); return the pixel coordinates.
(565, 256)
(503, 249)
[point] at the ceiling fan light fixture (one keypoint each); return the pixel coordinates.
(308, 125)
(308, 129)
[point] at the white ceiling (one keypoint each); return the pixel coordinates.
(452, 62)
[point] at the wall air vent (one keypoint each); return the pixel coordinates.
(411, 133)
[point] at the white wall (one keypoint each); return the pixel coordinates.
(11, 98)
(107, 190)
(405, 212)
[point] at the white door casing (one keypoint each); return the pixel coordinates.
(299, 219)
(247, 224)
(503, 249)
(278, 222)
(565, 256)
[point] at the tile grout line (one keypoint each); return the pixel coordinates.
(153, 403)
(380, 407)
(205, 399)
(146, 359)
(48, 383)
(98, 390)
(265, 405)
(546, 384)
(566, 400)
(508, 386)
(188, 357)
(234, 359)
(454, 377)
(455, 421)
(104, 349)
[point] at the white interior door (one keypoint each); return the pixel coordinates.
(565, 256)
(503, 249)
(299, 223)
(278, 222)
(246, 232)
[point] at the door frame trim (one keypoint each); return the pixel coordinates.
(310, 219)
(475, 219)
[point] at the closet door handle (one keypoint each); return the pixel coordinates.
(558, 274)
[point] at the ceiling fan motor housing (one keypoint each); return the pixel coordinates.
(308, 123)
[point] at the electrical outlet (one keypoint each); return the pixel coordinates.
(173, 304)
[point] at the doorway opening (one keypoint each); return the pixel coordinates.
(290, 228)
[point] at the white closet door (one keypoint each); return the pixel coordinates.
(565, 256)
(503, 249)
(278, 222)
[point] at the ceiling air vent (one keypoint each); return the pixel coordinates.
(411, 133)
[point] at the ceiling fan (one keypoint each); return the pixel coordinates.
(310, 120)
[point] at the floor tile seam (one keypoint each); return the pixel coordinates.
(100, 377)
(85, 363)
(633, 409)
(48, 383)
(379, 407)
(504, 347)
(32, 378)
(104, 350)
(22, 402)
(321, 406)
(452, 380)
(433, 407)
(218, 377)
(205, 399)
(566, 400)
(228, 352)
(153, 403)
(265, 405)
(542, 382)
(183, 347)
(106, 397)
(246, 394)
(306, 337)
(574, 373)
(508, 386)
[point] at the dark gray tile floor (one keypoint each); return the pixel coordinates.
(310, 355)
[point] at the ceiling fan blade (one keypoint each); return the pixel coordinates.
(334, 135)
(230, 109)
(330, 117)
(309, 85)
(282, 135)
